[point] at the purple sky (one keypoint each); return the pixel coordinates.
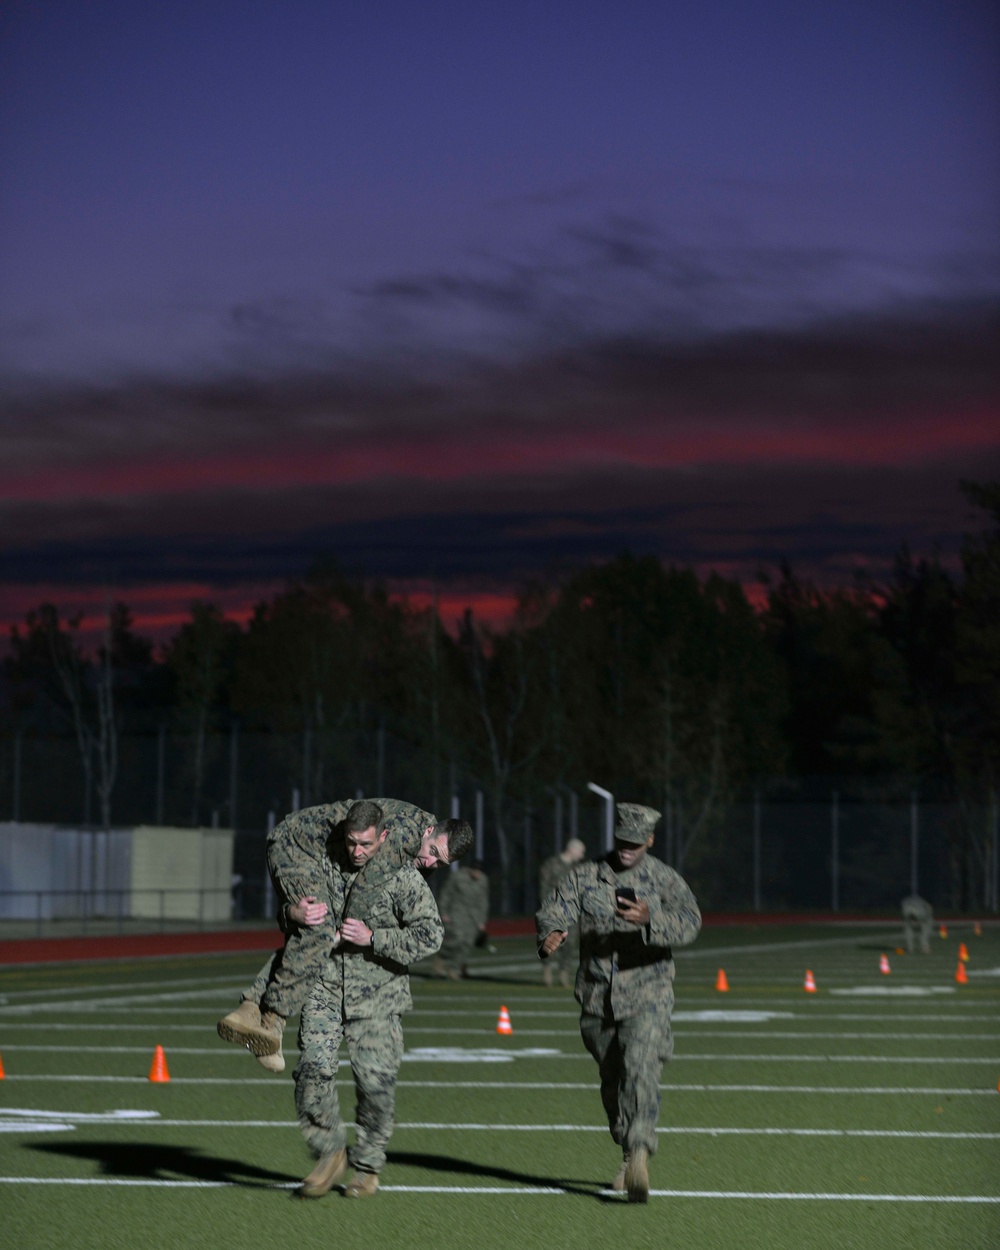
(460, 294)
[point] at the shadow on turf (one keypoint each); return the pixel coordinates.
(164, 1163)
(468, 1167)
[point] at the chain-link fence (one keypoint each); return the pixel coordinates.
(836, 850)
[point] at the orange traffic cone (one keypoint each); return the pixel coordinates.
(883, 965)
(158, 1072)
(2, 1072)
(900, 951)
(810, 985)
(963, 952)
(977, 929)
(721, 984)
(504, 1025)
(943, 930)
(961, 976)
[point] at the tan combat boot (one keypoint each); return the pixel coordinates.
(637, 1175)
(324, 1175)
(276, 1061)
(618, 1184)
(247, 1027)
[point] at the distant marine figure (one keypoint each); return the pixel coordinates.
(566, 957)
(918, 920)
(464, 903)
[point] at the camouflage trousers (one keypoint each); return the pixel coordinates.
(457, 946)
(375, 1047)
(917, 928)
(284, 982)
(630, 1056)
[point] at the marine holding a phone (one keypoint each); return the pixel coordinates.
(632, 909)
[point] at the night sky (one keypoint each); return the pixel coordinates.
(464, 294)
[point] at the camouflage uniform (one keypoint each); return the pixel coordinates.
(624, 983)
(465, 901)
(296, 854)
(358, 998)
(917, 918)
(566, 958)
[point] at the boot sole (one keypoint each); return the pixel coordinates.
(256, 1041)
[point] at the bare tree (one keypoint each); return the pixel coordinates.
(501, 683)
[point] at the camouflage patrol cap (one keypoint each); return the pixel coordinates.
(635, 823)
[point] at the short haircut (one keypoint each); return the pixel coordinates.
(460, 836)
(363, 815)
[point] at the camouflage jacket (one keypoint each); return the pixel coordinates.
(401, 912)
(297, 847)
(465, 900)
(623, 968)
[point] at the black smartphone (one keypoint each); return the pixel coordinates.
(624, 894)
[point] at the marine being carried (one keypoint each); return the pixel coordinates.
(298, 858)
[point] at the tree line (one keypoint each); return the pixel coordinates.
(663, 686)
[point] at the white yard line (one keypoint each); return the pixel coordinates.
(720, 1031)
(735, 1057)
(514, 1191)
(669, 1130)
(283, 1085)
(238, 1053)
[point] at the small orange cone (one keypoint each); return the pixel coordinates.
(504, 1025)
(883, 965)
(963, 952)
(900, 951)
(943, 930)
(2, 1072)
(961, 976)
(158, 1072)
(809, 985)
(721, 983)
(978, 929)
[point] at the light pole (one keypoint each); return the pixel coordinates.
(609, 814)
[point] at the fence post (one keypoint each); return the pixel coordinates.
(480, 827)
(528, 866)
(269, 899)
(996, 853)
(233, 772)
(306, 764)
(161, 768)
(16, 804)
(835, 852)
(914, 841)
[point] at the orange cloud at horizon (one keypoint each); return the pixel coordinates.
(444, 455)
(159, 611)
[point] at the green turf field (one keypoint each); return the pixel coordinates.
(864, 1115)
